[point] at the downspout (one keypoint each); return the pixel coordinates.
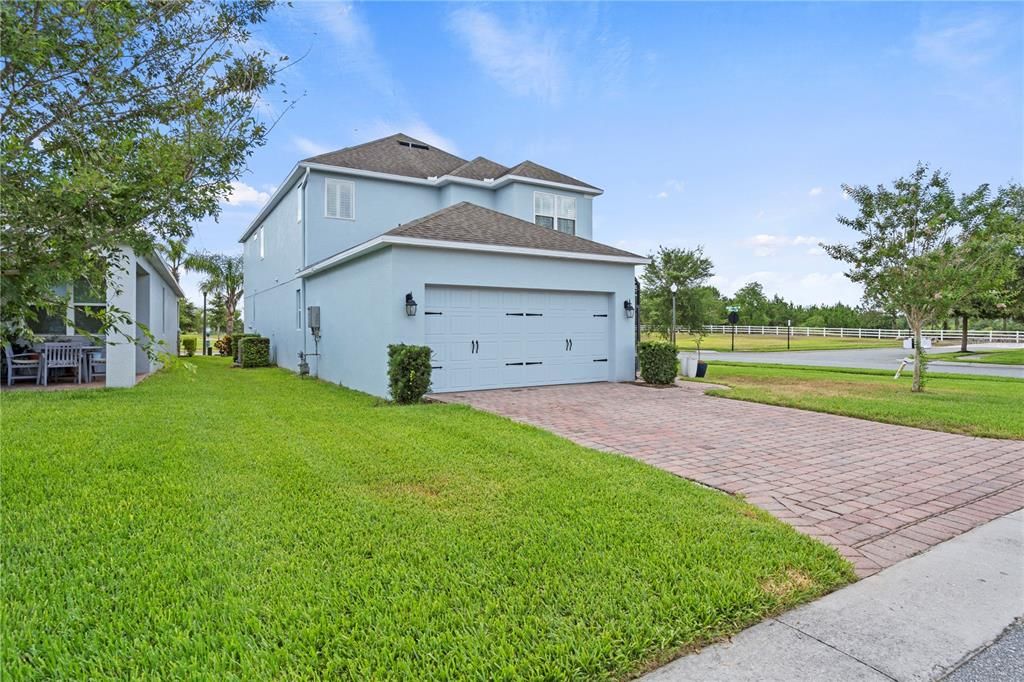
(305, 205)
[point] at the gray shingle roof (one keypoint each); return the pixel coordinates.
(480, 169)
(466, 222)
(390, 155)
(529, 169)
(396, 155)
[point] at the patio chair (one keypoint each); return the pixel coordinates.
(21, 361)
(96, 365)
(62, 356)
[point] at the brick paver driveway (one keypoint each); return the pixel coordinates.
(878, 493)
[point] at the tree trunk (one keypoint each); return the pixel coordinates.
(963, 335)
(917, 386)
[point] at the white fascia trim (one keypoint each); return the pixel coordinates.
(164, 271)
(339, 258)
(275, 198)
(446, 179)
(386, 240)
(516, 250)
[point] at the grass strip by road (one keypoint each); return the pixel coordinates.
(749, 343)
(972, 405)
(229, 523)
(995, 357)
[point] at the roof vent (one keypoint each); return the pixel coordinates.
(413, 145)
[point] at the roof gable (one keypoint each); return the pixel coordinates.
(529, 169)
(467, 222)
(480, 169)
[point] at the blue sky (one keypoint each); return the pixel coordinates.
(730, 126)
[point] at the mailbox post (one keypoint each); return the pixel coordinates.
(734, 317)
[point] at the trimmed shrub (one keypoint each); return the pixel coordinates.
(189, 344)
(408, 372)
(236, 348)
(659, 362)
(223, 345)
(254, 351)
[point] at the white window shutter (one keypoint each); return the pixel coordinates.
(543, 204)
(331, 199)
(345, 203)
(567, 208)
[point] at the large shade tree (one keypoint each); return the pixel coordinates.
(123, 123)
(912, 255)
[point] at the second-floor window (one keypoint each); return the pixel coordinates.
(339, 199)
(555, 211)
(263, 248)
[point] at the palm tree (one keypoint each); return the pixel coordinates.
(224, 276)
(175, 252)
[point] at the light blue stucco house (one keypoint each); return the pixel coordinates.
(509, 286)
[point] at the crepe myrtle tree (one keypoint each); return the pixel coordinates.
(688, 269)
(916, 251)
(123, 123)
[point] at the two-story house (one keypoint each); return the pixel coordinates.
(396, 241)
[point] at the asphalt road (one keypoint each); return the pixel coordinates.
(1002, 660)
(873, 358)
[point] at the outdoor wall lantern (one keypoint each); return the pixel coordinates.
(628, 307)
(410, 305)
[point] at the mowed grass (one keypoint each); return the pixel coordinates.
(233, 523)
(996, 357)
(977, 406)
(756, 342)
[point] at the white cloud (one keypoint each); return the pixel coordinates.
(242, 194)
(672, 187)
(815, 191)
(413, 127)
(523, 60)
(765, 245)
(958, 46)
(803, 289)
(354, 45)
(661, 195)
(308, 146)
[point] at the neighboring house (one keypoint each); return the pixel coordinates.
(142, 287)
(511, 289)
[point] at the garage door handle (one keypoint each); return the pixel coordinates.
(535, 314)
(507, 364)
(602, 360)
(535, 363)
(601, 315)
(432, 313)
(436, 367)
(513, 314)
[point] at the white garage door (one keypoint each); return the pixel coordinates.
(498, 338)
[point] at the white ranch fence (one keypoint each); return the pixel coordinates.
(975, 335)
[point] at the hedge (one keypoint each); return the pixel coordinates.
(189, 344)
(408, 372)
(235, 349)
(254, 351)
(659, 362)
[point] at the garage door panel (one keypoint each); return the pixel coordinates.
(492, 338)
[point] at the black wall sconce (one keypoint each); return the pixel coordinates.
(628, 307)
(410, 305)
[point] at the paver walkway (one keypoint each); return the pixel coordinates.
(877, 492)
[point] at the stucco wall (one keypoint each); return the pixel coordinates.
(362, 304)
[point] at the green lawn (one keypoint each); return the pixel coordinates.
(246, 523)
(997, 357)
(979, 406)
(757, 342)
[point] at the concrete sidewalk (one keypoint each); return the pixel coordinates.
(917, 620)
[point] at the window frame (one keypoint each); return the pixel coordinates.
(298, 310)
(262, 239)
(352, 191)
(298, 202)
(556, 202)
